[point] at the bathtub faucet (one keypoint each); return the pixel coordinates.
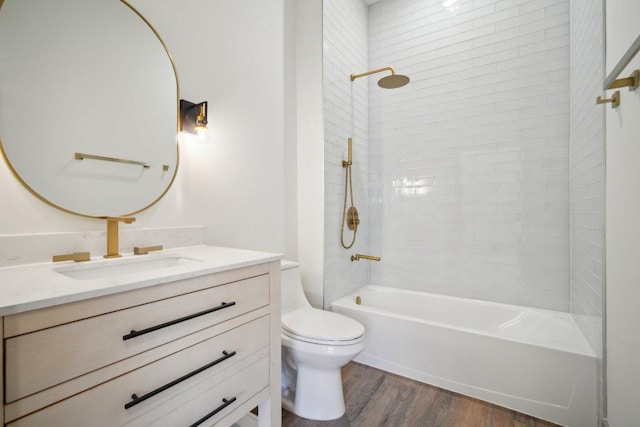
(358, 257)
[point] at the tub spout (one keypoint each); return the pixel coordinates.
(358, 257)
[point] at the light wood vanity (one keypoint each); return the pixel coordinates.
(200, 347)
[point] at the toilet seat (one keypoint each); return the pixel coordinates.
(328, 343)
(321, 327)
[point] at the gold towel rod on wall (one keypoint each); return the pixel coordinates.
(80, 156)
(624, 61)
(633, 81)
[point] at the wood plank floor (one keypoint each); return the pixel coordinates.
(375, 398)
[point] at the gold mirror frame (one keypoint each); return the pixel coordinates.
(177, 124)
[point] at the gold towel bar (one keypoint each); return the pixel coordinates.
(632, 81)
(80, 156)
(622, 63)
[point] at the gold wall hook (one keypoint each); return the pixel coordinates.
(632, 82)
(614, 100)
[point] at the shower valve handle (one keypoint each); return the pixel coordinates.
(352, 218)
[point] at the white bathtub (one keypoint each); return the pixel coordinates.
(531, 360)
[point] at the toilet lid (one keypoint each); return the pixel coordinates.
(321, 325)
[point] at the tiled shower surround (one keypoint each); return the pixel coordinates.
(469, 169)
(486, 172)
(587, 174)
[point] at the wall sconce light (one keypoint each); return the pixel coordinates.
(193, 118)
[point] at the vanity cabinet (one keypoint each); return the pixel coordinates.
(199, 351)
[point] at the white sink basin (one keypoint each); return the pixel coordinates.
(120, 267)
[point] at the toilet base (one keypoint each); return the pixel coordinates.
(318, 394)
(311, 367)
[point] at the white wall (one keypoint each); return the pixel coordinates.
(290, 131)
(623, 233)
(469, 162)
(622, 248)
(345, 115)
(306, 36)
(586, 159)
(231, 54)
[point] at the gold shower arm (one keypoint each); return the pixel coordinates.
(368, 73)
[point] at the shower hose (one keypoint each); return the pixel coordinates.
(348, 188)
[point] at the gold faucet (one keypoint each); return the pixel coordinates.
(76, 256)
(358, 257)
(143, 250)
(112, 234)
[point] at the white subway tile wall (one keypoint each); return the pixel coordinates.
(345, 115)
(587, 173)
(469, 163)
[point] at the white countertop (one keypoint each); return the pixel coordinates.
(32, 286)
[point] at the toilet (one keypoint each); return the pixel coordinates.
(315, 345)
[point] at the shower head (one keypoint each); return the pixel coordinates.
(393, 81)
(389, 82)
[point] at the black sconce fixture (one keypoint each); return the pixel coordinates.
(193, 117)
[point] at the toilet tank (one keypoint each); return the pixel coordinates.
(292, 294)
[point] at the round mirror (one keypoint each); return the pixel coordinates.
(88, 105)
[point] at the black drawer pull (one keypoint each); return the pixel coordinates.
(134, 334)
(225, 403)
(135, 399)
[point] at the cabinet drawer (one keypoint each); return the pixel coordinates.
(206, 404)
(161, 385)
(76, 348)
